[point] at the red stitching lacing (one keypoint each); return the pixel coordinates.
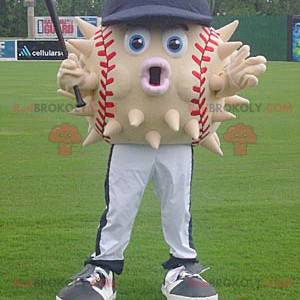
(204, 48)
(103, 41)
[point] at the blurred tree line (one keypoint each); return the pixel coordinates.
(13, 13)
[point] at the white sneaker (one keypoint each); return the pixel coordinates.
(182, 284)
(92, 283)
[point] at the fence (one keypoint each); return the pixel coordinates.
(267, 35)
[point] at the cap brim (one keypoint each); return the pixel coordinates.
(155, 14)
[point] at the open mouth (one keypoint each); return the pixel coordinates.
(155, 77)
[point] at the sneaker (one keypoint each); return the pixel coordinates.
(184, 284)
(92, 283)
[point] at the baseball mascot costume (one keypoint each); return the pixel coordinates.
(155, 78)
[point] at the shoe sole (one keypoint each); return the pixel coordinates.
(113, 297)
(176, 297)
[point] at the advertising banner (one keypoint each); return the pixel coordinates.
(7, 50)
(44, 28)
(295, 38)
(39, 50)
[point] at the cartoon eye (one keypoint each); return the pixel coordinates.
(137, 41)
(175, 42)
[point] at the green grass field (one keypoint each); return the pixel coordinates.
(246, 209)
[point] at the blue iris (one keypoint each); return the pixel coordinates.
(175, 44)
(137, 43)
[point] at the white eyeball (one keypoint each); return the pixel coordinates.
(175, 42)
(137, 40)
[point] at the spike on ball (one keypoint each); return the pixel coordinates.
(192, 129)
(211, 144)
(72, 49)
(93, 138)
(226, 49)
(136, 117)
(83, 46)
(227, 31)
(172, 118)
(86, 28)
(112, 128)
(154, 139)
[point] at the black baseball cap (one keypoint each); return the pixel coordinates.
(156, 11)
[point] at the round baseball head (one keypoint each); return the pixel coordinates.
(154, 83)
(162, 84)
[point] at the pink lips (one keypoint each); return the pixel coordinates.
(155, 76)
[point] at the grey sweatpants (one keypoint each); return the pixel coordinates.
(130, 169)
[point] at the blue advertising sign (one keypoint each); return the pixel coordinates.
(39, 50)
(90, 19)
(296, 39)
(7, 50)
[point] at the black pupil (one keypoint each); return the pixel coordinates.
(137, 43)
(174, 44)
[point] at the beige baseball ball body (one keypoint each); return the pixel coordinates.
(153, 85)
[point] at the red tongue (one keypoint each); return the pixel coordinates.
(155, 74)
